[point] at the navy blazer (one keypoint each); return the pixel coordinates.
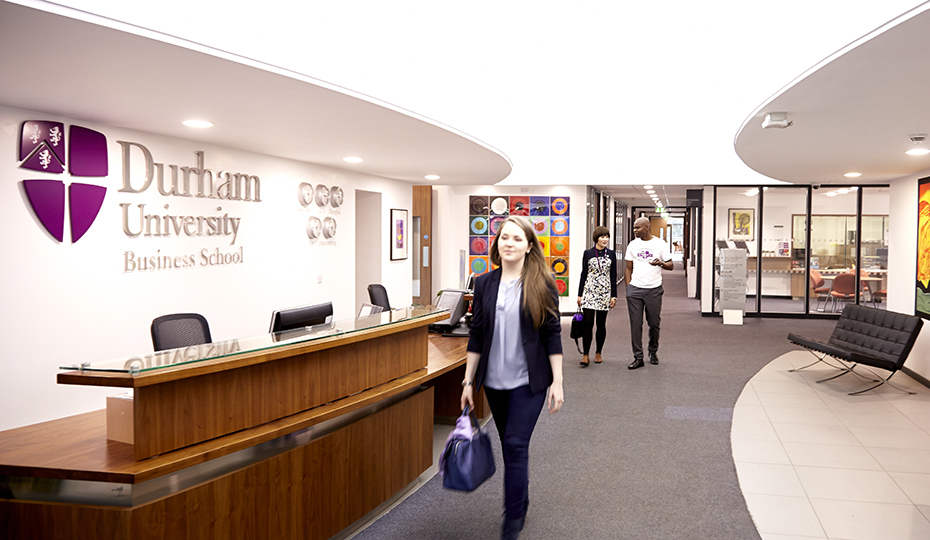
(537, 344)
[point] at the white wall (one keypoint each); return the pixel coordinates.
(450, 231)
(67, 303)
(902, 267)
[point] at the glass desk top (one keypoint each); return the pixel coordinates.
(221, 349)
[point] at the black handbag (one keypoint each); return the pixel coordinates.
(467, 459)
(577, 331)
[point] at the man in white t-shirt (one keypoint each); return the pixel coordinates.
(646, 256)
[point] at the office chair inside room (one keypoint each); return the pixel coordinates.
(378, 296)
(844, 288)
(819, 288)
(179, 330)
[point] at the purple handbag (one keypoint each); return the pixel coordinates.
(577, 328)
(467, 460)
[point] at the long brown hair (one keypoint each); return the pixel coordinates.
(535, 278)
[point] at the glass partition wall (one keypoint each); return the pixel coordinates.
(792, 268)
(783, 268)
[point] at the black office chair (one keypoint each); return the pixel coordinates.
(180, 330)
(377, 295)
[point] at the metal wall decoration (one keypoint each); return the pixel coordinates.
(323, 202)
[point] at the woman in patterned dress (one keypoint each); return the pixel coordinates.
(597, 292)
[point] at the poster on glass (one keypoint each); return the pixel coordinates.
(399, 234)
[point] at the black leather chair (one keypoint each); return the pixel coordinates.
(865, 336)
(180, 330)
(377, 295)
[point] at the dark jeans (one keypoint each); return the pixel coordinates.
(515, 414)
(590, 315)
(640, 300)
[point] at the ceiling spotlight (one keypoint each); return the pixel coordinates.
(197, 124)
(650, 191)
(647, 187)
(352, 159)
(776, 120)
(918, 151)
(853, 174)
(432, 177)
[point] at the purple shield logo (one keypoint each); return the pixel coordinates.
(42, 149)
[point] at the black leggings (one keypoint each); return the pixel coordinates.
(589, 316)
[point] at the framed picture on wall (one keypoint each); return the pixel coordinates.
(740, 223)
(922, 298)
(399, 234)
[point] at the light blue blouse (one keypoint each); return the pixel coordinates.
(507, 367)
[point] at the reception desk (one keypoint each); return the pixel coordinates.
(281, 436)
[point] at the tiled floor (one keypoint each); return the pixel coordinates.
(814, 462)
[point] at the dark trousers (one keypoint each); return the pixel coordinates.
(648, 301)
(590, 315)
(515, 414)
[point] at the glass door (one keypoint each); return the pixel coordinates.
(736, 210)
(783, 260)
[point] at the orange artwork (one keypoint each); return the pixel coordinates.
(922, 307)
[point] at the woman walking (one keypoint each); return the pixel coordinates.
(515, 352)
(597, 292)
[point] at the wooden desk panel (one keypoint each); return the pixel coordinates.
(298, 494)
(186, 411)
(311, 492)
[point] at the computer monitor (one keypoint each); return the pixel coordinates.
(741, 244)
(470, 282)
(722, 244)
(454, 301)
(299, 317)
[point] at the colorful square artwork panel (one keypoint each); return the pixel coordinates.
(519, 206)
(500, 206)
(558, 246)
(539, 206)
(478, 265)
(478, 205)
(478, 226)
(558, 226)
(478, 245)
(561, 283)
(558, 266)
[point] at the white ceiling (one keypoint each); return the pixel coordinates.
(81, 70)
(854, 112)
(616, 95)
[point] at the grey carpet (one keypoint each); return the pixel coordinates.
(641, 454)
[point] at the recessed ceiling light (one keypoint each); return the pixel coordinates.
(854, 188)
(352, 159)
(650, 191)
(432, 177)
(918, 151)
(197, 123)
(853, 174)
(647, 187)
